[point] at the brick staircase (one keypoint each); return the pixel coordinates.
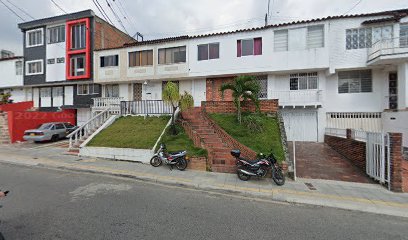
(203, 133)
(4, 131)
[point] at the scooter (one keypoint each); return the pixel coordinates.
(258, 168)
(178, 159)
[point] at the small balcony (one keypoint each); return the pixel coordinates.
(388, 51)
(298, 98)
(103, 103)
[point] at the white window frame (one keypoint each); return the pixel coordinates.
(208, 51)
(74, 61)
(19, 69)
(33, 61)
(28, 38)
(59, 27)
(304, 76)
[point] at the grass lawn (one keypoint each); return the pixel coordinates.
(131, 132)
(181, 141)
(261, 142)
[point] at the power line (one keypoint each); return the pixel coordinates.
(22, 10)
(58, 6)
(355, 5)
(11, 10)
(125, 14)
(117, 17)
(102, 11)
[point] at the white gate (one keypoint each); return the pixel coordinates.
(301, 125)
(377, 154)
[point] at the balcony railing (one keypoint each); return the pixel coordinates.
(298, 98)
(145, 107)
(389, 46)
(113, 103)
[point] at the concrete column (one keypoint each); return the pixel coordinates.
(403, 86)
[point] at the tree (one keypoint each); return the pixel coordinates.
(5, 98)
(243, 88)
(172, 96)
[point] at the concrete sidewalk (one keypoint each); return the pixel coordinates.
(345, 195)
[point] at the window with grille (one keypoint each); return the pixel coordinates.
(263, 84)
(355, 81)
(404, 35)
(57, 91)
(19, 68)
(303, 81)
(358, 38)
(34, 67)
(87, 89)
(141, 58)
(110, 61)
(45, 92)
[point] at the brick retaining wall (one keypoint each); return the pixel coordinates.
(353, 150)
(265, 106)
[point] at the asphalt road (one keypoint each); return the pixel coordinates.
(49, 204)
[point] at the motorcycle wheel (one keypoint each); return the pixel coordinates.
(181, 164)
(155, 161)
(278, 177)
(242, 176)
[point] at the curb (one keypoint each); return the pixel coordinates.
(281, 196)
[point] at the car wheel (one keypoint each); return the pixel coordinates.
(54, 138)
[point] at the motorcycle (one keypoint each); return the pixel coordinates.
(178, 159)
(259, 168)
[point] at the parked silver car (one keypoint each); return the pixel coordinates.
(52, 131)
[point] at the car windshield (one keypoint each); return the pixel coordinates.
(45, 126)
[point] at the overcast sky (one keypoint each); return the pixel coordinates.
(159, 18)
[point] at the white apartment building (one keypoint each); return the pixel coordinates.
(336, 72)
(11, 79)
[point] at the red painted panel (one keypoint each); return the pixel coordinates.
(86, 51)
(21, 106)
(19, 121)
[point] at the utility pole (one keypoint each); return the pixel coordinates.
(267, 14)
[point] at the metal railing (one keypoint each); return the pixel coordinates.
(145, 107)
(88, 128)
(337, 132)
(388, 46)
(359, 135)
(102, 103)
(298, 97)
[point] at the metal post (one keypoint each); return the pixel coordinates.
(294, 160)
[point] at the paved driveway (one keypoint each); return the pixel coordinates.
(319, 161)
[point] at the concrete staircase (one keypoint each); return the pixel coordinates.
(219, 157)
(4, 130)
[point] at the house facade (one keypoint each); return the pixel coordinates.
(334, 72)
(58, 60)
(11, 80)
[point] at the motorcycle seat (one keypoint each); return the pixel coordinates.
(176, 152)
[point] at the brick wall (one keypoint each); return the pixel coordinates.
(213, 92)
(266, 106)
(399, 166)
(107, 36)
(353, 150)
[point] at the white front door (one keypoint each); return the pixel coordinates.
(300, 125)
(199, 91)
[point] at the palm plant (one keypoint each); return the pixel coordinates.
(243, 88)
(172, 96)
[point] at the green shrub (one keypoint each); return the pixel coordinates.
(253, 122)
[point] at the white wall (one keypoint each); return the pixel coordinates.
(69, 95)
(396, 122)
(8, 77)
(56, 71)
(356, 102)
(269, 61)
(403, 86)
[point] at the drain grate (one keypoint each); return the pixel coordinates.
(310, 186)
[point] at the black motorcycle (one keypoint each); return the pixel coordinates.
(259, 168)
(178, 159)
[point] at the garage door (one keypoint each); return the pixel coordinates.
(300, 125)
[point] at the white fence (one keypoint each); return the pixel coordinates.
(103, 103)
(377, 157)
(363, 121)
